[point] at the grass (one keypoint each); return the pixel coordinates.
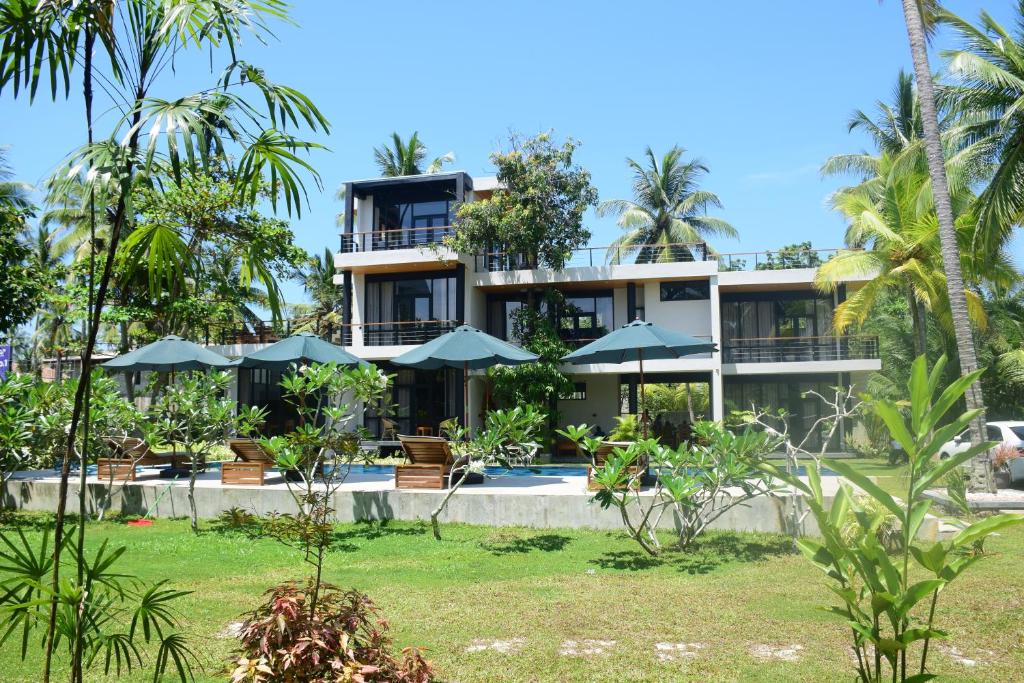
(732, 592)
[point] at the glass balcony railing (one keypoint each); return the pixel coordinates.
(501, 261)
(799, 349)
(391, 240)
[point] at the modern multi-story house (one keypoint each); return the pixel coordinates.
(403, 287)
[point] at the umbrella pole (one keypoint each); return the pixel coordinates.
(643, 398)
(465, 396)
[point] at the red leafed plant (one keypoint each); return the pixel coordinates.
(343, 638)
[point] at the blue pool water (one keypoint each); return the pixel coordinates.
(545, 471)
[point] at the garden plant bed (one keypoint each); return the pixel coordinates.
(503, 604)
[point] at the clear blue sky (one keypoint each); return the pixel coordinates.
(760, 91)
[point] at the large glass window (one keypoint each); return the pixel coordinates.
(586, 316)
(780, 314)
(403, 220)
(409, 310)
(804, 410)
(699, 290)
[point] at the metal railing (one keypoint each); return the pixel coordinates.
(501, 261)
(799, 349)
(782, 259)
(397, 333)
(392, 239)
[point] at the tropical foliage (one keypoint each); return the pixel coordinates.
(402, 158)
(696, 483)
(988, 90)
(881, 593)
(536, 214)
(668, 212)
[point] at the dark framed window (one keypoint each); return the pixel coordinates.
(578, 393)
(698, 290)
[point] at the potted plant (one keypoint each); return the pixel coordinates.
(1002, 456)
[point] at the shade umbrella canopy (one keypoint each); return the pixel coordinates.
(639, 341)
(465, 348)
(301, 348)
(169, 354)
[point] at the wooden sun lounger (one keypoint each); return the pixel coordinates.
(430, 462)
(138, 451)
(250, 465)
(603, 451)
(115, 469)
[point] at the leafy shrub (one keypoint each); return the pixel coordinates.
(697, 483)
(865, 448)
(342, 638)
(627, 428)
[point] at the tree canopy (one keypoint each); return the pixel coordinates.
(537, 210)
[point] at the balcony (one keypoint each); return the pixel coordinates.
(589, 257)
(408, 333)
(799, 349)
(783, 259)
(393, 240)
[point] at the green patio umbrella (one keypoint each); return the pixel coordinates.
(637, 341)
(167, 355)
(465, 348)
(304, 347)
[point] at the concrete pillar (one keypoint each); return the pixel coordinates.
(717, 395)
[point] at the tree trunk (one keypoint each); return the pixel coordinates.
(919, 323)
(980, 471)
(689, 403)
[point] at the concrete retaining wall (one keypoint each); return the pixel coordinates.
(476, 507)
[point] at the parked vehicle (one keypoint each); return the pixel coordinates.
(1009, 433)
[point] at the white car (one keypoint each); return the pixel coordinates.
(1011, 433)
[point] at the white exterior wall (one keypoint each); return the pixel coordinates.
(601, 406)
(689, 317)
(701, 319)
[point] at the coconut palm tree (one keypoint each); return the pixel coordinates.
(12, 192)
(318, 282)
(989, 87)
(406, 158)
(893, 232)
(668, 209)
(916, 14)
(896, 129)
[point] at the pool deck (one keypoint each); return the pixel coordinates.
(533, 501)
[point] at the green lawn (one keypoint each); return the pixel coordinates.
(734, 592)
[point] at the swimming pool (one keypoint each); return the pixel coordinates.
(494, 471)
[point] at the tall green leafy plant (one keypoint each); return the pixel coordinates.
(195, 414)
(117, 618)
(318, 455)
(536, 214)
(128, 45)
(892, 611)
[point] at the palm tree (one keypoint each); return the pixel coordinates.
(893, 232)
(990, 88)
(668, 209)
(406, 158)
(981, 475)
(12, 192)
(319, 284)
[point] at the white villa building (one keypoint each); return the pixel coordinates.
(402, 288)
